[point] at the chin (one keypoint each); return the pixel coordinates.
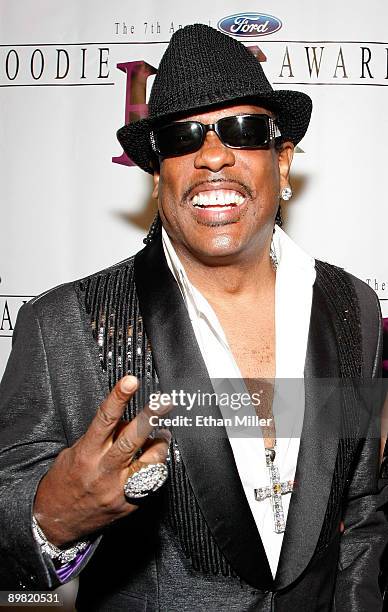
(219, 246)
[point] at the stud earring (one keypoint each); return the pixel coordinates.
(286, 193)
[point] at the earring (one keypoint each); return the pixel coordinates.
(286, 193)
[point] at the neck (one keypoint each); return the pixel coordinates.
(249, 275)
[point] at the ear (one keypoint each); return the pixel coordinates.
(155, 191)
(285, 156)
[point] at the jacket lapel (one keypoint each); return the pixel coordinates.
(206, 451)
(318, 446)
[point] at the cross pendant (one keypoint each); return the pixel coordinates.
(274, 491)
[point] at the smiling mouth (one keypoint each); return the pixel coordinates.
(217, 199)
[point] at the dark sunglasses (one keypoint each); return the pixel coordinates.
(237, 132)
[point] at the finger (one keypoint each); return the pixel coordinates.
(158, 435)
(110, 412)
(156, 451)
(134, 435)
(119, 428)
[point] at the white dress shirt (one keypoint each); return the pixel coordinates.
(295, 277)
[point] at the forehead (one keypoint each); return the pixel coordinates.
(211, 116)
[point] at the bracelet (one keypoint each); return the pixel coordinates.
(63, 556)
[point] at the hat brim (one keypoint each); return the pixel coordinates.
(293, 109)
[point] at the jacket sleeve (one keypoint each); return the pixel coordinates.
(365, 525)
(31, 436)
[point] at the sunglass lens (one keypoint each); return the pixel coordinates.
(244, 131)
(179, 138)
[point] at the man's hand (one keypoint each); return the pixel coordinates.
(84, 489)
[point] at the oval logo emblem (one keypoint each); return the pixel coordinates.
(249, 24)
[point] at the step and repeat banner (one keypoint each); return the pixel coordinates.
(72, 73)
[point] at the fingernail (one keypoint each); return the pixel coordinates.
(128, 384)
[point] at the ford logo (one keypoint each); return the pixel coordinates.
(249, 24)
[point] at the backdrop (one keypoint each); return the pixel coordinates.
(71, 73)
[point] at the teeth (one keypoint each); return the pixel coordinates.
(218, 197)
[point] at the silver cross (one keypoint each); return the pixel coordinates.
(275, 491)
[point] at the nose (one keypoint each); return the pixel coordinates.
(213, 154)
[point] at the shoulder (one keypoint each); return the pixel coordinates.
(68, 293)
(360, 296)
(367, 299)
(64, 309)
(371, 322)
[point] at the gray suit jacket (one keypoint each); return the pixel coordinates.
(50, 391)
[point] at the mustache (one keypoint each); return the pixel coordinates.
(242, 186)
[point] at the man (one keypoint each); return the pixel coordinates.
(265, 522)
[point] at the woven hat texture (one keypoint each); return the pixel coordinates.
(200, 68)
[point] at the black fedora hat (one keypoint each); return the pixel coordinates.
(201, 68)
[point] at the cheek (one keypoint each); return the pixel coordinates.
(260, 169)
(171, 187)
(173, 171)
(174, 179)
(265, 183)
(271, 171)
(168, 200)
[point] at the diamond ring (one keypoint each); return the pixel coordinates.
(144, 479)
